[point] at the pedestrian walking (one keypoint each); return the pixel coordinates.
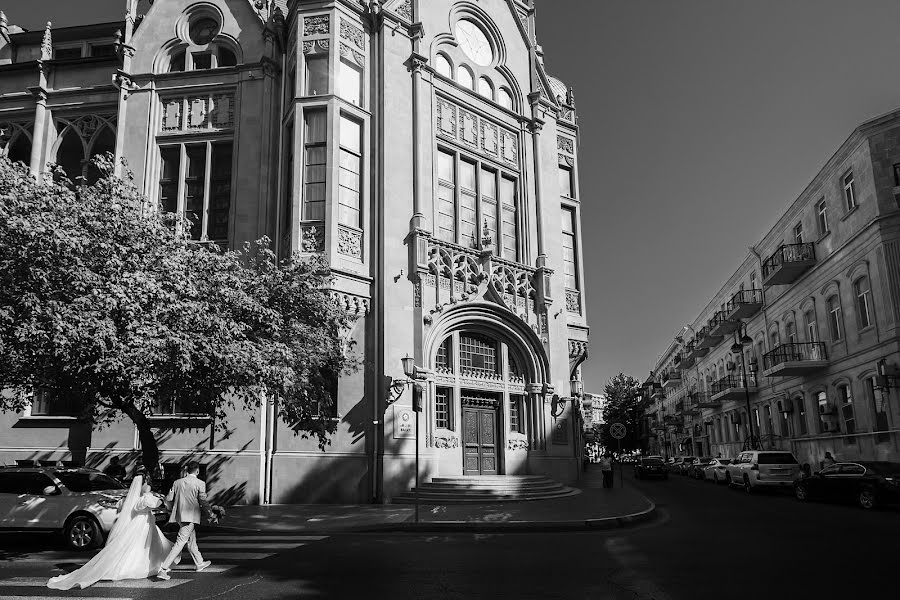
(606, 467)
(828, 460)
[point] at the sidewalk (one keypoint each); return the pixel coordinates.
(593, 508)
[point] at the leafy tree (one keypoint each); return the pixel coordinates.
(111, 307)
(623, 398)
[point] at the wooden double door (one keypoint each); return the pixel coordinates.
(481, 433)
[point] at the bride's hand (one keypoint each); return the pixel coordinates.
(145, 489)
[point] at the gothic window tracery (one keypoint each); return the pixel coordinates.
(80, 139)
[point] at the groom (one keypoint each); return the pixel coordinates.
(186, 499)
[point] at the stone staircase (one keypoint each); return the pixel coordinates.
(486, 488)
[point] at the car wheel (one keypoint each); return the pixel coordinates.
(83, 533)
(801, 492)
(747, 487)
(867, 499)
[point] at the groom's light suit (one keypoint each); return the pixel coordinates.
(186, 500)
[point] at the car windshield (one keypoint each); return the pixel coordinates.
(88, 481)
(777, 458)
(652, 461)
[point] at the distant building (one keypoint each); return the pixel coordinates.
(816, 304)
(420, 146)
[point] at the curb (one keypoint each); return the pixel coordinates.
(616, 522)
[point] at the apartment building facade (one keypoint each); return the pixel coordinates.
(798, 350)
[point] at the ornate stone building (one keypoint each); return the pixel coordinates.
(419, 145)
(800, 348)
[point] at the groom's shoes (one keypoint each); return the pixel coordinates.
(203, 565)
(163, 574)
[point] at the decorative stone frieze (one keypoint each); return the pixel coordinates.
(477, 133)
(573, 301)
(350, 242)
(566, 144)
(353, 34)
(517, 444)
(317, 25)
(312, 238)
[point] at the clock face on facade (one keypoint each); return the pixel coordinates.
(203, 31)
(474, 43)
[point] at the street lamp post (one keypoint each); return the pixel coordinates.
(414, 375)
(740, 341)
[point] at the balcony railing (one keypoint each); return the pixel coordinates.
(693, 352)
(744, 304)
(794, 359)
(721, 325)
(731, 387)
(788, 263)
(671, 378)
(706, 340)
(704, 400)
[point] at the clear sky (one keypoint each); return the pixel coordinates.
(701, 120)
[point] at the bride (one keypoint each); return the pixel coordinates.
(135, 547)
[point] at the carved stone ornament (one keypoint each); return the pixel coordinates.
(567, 115)
(566, 144)
(312, 238)
(516, 444)
(485, 136)
(417, 293)
(404, 9)
(350, 242)
(573, 301)
(354, 55)
(316, 46)
(445, 441)
(577, 348)
(353, 304)
(566, 160)
(446, 116)
(353, 34)
(316, 25)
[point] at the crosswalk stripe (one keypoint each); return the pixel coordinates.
(255, 546)
(263, 538)
(190, 568)
(125, 583)
(63, 597)
(235, 555)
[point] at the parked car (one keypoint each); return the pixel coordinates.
(866, 483)
(650, 466)
(695, 469)
(79, 502)
(763, 468)
(681, 463)
(715, 470)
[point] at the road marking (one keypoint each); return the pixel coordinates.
(65, 597)
(235, 555)
(189, 568)
(255, 546)
(124, 583)
(263, 538)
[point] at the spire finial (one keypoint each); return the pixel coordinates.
(47, 43)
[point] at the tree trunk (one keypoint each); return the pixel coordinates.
(149, 449)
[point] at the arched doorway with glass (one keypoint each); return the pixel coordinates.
(480, 394)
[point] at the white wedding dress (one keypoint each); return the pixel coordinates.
(134, 550)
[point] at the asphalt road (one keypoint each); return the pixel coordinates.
(707, 542)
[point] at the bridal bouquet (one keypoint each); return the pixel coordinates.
(216, 513)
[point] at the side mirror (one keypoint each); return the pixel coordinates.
(51, 490)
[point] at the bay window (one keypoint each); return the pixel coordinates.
(569, 243)
(314, 169)
(350, 169)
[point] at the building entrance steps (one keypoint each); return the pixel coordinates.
(592, 508)
(491, 488)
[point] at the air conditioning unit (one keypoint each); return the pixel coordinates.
(831, 427)
(826, 408)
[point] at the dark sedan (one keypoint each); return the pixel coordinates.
(650, 466)
(866, 483)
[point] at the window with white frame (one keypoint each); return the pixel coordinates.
(350, 81)
(835, 320)
(812, 328)
(569, 248)
(315, 82)
(442, 403)
(798, 233)
(566, 187)
(822, 216)
(863, 292)
(849, 191)
(314, 165)
(350, 172)
(847, 413)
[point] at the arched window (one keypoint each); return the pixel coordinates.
(504, 97)
(465, 77)
(790, 332)
(812, 328)
(486, 88)
(80, 140)
(863, 293)
(800, 404)
(15, 143)
(443, 67)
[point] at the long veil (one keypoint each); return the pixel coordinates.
(126, 512)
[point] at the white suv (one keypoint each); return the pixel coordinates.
(81, 503)
(762, 468)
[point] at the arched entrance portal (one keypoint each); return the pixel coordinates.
(481, 394)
